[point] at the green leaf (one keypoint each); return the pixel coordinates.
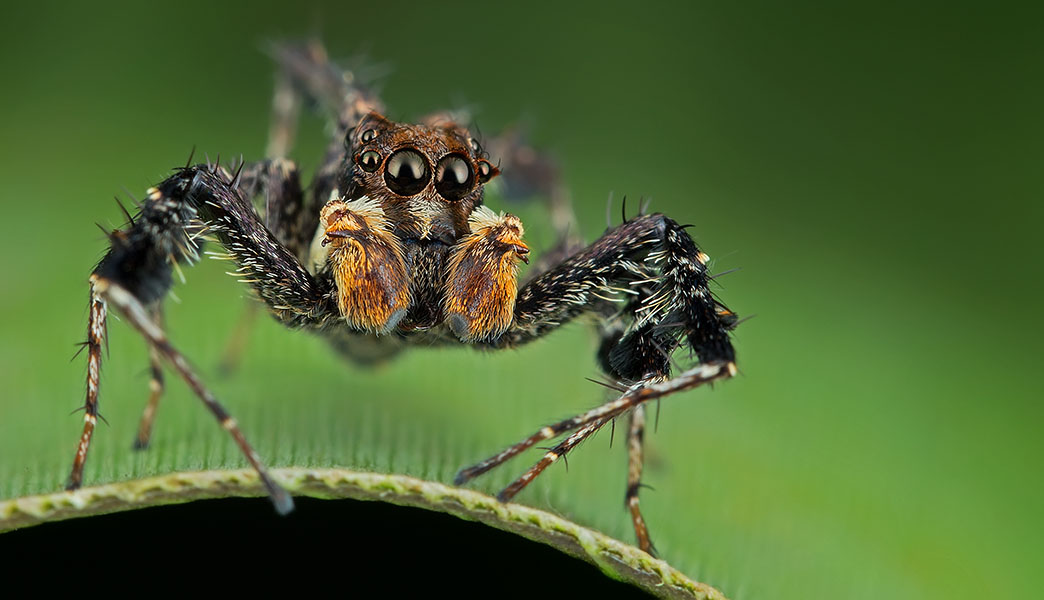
(614, 558)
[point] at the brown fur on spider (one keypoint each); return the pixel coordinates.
(391, 245)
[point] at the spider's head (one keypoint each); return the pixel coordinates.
(428, 178)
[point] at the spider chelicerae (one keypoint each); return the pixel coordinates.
(391, 245)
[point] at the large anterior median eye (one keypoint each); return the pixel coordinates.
(407, 172)
(453, 177)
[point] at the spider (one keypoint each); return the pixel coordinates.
(392, 245)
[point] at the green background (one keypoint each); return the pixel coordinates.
(873, 169)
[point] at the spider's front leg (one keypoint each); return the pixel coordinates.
(652, 261)
(275, 184)
(135, 275)
(305, 76)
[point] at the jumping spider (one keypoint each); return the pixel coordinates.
(405, 252)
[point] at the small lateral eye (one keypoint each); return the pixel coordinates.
(369, 161)
(453, 178)
(368, 136)
(407, 172)
(485, 171)
(476, 147)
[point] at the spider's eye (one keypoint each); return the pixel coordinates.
(453, 177)
(368, 135)
(485, 171)
(407, 172)
(369, 161)
(476, 147)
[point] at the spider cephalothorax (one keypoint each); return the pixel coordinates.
(408, 242)
(391, 245)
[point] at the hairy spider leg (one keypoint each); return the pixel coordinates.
(275, 186)
(95, 337)
(613, 329)
(651, 260)
(305, 75)
(636, 395)
(136, 274)
(548, 459)
(137, 315)
(275, 179)
(148, 416)
(635, 447)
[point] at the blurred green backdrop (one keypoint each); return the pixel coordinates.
(873, 169)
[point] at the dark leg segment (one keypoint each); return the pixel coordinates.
(136, 274)
(275, 187)
(650, 270)
(648, 251)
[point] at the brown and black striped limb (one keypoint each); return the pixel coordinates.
(96, 319)
(138, 316)
(548, 459)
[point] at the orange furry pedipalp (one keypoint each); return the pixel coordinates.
(481, 288)
(367, 264)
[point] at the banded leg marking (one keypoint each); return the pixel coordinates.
(95, 337)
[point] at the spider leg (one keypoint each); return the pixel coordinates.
(656, 277)
(137, 315)
(236, 345)
(649, 251)
(307, 76)
(613, 329)
(95, 338)
(635, 459)
(635, 395)
(304, 73)
(275, 187)
(549, 458)
(148, 416)
(137, 272)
